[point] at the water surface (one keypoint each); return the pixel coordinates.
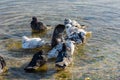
(98, 59)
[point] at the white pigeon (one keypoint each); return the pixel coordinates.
(70, 46)
(74, 32)
(54, 52)
(76, 24)
(31, 42)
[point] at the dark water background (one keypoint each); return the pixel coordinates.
(99, 59)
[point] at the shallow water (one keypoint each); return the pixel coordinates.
(98, 59)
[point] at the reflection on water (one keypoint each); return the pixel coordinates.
(98, 59)
(64, 75)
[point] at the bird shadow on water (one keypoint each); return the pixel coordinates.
(16, 69)
(47, 71)
(18, 73)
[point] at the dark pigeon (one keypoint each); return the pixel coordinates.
(38, 60)
(57, 35)
(63, 58)
(37, 26)
(2, 64)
